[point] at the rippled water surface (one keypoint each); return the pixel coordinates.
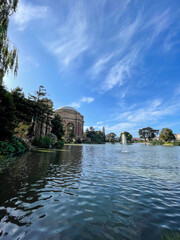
(92, 192)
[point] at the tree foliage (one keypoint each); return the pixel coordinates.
(19, 114)
(95, 136)
(148, 133)
(166, 134)
(57, 127)
(128, 136)
(23, 106)
(8, 52)
(111, 137)
(13, 147)
(41, 110)
(7, 115)
(70, 131)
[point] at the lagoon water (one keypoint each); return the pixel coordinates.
(96, 192)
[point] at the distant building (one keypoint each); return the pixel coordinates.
(177, 136)
(73, 122)
(137, 139)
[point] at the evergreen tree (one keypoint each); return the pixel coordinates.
(41, 110)
(23, 106)
(57, 127)
(7, 115)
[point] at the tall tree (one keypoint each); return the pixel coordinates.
(148, 133)
(95, 136)
(41, 111)
(23, 106)
(166, 134)
(70, 131)
(8, 52)
(57, 127)
(7, 115)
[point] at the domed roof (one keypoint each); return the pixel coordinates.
(67, 108)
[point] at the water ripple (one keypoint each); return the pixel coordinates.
(92, 192)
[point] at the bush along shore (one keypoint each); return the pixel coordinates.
(10, 149)
(26, 122)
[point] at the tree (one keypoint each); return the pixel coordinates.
(166, 134)
(7, 115)
(8, 52)
(23, 107)
(95, 136)
(57, 127)
(110, 137)
(128, 136)
(148, 133)
(42, 112)
(70, 131)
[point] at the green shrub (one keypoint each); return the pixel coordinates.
(59, 144)
(43, 142)
(14, 147)
(176, 143)
(170, 235)
(53, 138)
(157, 142)
(78, 140)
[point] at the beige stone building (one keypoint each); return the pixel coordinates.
(177, 136)
(73, 122)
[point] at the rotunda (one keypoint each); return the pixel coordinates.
(73, 122)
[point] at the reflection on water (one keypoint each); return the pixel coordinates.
(92, 192)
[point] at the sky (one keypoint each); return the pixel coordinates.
(116, 62)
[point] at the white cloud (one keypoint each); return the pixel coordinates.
(153, 113)
(27, 12)
(81, 101)
(134, 38)
(120, 72)
(99, 123)
(159, 23)
(121, 127)
(72, 37)
(99, 65)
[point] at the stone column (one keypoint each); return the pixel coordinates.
(82, 129)
(76, 128)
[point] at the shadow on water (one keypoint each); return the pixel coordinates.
(22, 183)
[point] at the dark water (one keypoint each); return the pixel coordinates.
(92, 192)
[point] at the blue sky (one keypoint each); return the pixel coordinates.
(117, 62)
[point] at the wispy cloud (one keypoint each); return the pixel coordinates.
(99, 65)
(99, 123)
(150, 114)
(82, 101)
(28, 12)
(71, 36)
(120, 72)
(159, 23)
(134, 38)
